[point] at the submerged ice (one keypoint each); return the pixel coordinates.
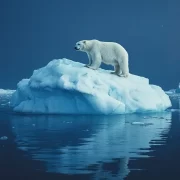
(67, 87)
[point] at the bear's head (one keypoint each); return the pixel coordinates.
(86, 45)
(81, 45)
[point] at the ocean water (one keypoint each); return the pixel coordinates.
(135, 146)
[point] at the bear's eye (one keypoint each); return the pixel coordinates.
(84, 41)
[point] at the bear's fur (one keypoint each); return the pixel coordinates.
(107, 52)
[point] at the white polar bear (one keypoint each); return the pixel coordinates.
(106, 52)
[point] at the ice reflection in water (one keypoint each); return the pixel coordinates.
(85, 144)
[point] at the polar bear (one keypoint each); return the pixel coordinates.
(107, 52)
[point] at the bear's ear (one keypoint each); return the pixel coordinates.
(84, 42)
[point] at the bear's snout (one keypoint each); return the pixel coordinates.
(76, 48)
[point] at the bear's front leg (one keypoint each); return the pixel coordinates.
(91, 67)
(96, 62)
(86, 65)
(90, 61)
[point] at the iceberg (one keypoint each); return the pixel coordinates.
(174, 91)
(6, 92)
(5, 96)
(67, 87)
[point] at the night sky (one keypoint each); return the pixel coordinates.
(33, 32)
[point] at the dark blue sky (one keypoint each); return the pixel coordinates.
(36, 31)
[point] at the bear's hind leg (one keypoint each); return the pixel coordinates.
(125, 69)
(117, 70)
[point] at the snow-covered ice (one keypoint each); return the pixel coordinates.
(6, 92)
(5, 96)
(67, 87)
(175, 92)
(141, 123)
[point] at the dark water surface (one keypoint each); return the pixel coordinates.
(136, 146)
